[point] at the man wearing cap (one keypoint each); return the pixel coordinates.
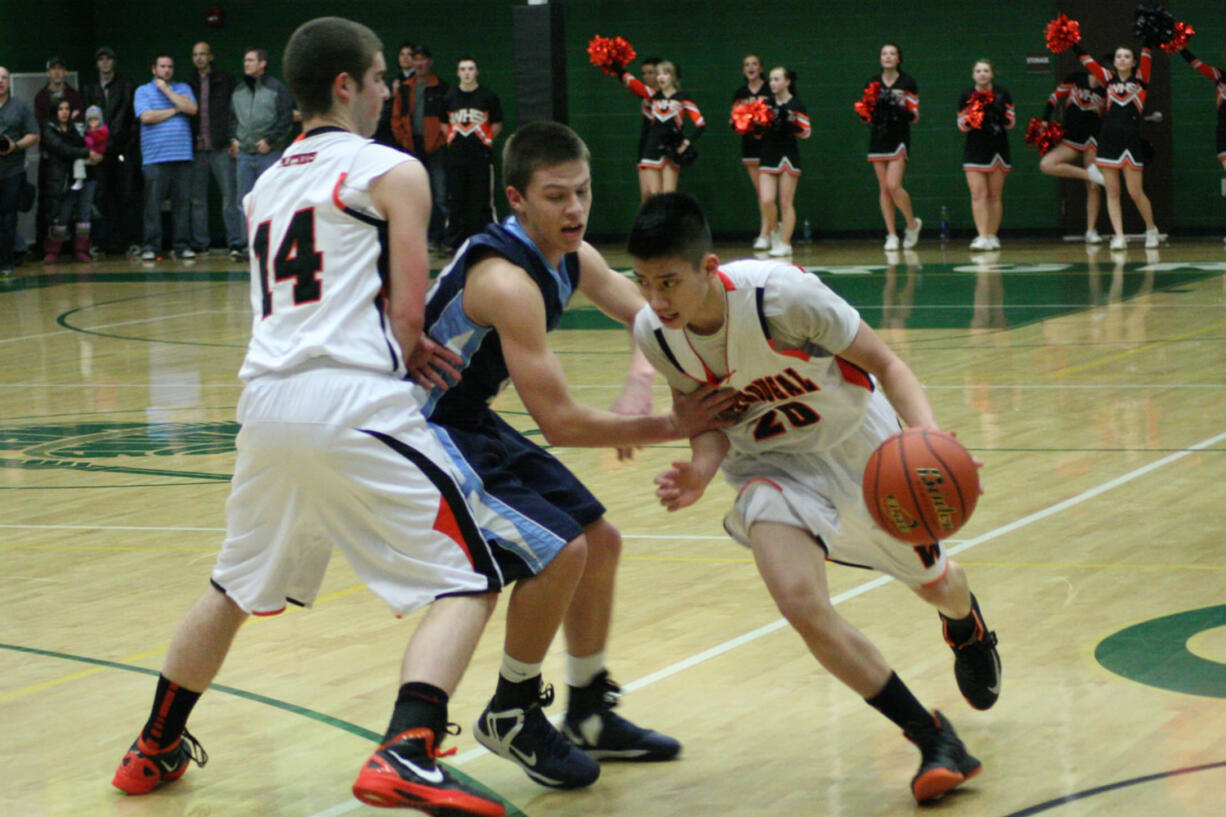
(210, 130)
(164, 109)
(117, 195)
(18, 131)
(55, 90)
(418, 122)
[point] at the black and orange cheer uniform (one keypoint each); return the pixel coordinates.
(987, 146)
(897, 107)
(668, 115)
(1119, 139)
(751, 143)
(1082, 110)
(780, 148)
(639, 88)
(1217, 76)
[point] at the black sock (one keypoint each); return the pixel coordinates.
(419, 704)
(897, 703)
(961, 630)
(516, 694)
(168, 718)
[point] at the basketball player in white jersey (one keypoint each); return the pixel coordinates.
(818, 393)
(333, 449)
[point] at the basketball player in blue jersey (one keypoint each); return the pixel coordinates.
(818, 393)
(493, 306)
(333, 449)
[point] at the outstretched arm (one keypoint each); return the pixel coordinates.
(901, 386)
(539, 379)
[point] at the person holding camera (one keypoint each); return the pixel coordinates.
(18, 132)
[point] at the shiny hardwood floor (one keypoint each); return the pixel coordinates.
(1093, 385)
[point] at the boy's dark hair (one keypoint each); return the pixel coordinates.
(468, 58)
(539, 144)
(261, 54)
(651, 61)
(320, 50)
(670, 225)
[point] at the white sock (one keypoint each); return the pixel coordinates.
(516, 671)
(581, 671)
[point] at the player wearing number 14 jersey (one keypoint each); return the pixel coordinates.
(333, 449)
(818, 393)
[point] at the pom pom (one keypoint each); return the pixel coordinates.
(610, 54)
(1052, 136)
(1183, 33)
(752, 116)
(867, 103)
(976, 109)
(1034, 129)
(1044, 135)
(1062, 33)
(1153, 25)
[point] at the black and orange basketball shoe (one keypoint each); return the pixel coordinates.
(593, 726)
(402, 773)
(976, 661)
(146, 765)
(944, 762)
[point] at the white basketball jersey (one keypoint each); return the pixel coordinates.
(319, 258)
(790, 401)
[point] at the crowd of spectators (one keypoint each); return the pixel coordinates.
(112, 154)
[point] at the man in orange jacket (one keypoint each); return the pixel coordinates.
(417, 121)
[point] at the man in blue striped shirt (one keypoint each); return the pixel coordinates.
(164, 108)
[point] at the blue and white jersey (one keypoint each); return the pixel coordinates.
(484, 369)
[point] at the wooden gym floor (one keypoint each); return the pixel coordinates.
(1093, 385)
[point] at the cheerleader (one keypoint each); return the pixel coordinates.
(642, 89)
(889, 142)
(666, 146)
(779, 164)
(985, 159)
(1217, 76)
(1082, 99)
(1119, 138)
(751, 143)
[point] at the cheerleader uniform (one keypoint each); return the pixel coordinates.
(890, 135)
(639, 89)
(987, 147)
(667, 116)
(1083, 111)
(751, 144)
(1216, 76)
(780, 150)
(1119, 139)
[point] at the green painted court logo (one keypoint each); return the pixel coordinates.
(1156, 653)
(105, 446)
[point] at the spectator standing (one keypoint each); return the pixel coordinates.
(261, 117)
(417, 120)
(18, 132)
(211, 156)
(65, 202)
(57, 88)
(117, 194)
(474, 120)
(165, 109)
(384, 134)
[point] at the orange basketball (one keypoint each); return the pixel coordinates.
(921, 486)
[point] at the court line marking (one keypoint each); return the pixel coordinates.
(1146, 348)
(109, 325)
(766, 629)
